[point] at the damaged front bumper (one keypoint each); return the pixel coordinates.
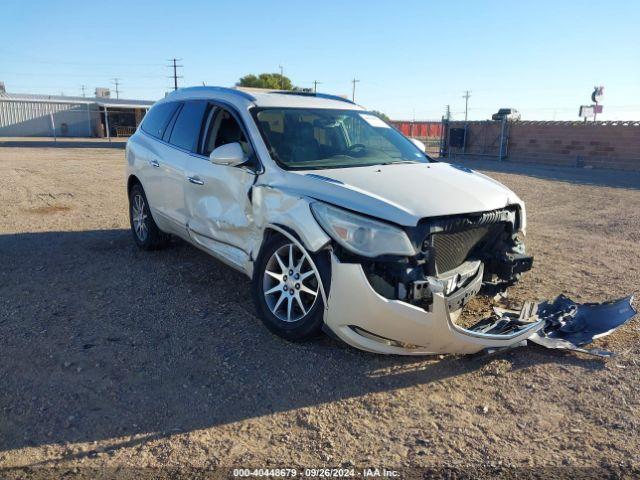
(365, 319)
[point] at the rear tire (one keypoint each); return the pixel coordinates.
(286, 290)
(145, 232)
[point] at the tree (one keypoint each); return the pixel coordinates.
(266, 80)
(381, 115)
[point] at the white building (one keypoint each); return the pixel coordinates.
(29, 115)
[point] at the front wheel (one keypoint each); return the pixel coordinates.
(286, 288)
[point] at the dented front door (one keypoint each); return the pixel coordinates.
(217, 198)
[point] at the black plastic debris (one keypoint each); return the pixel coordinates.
(561, 324)
(570, 325)
(504, 321)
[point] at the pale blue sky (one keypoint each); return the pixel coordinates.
(412, 57)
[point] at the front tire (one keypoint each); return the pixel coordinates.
(145, 232)
(286, 290)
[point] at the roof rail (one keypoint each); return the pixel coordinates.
(314, 94)
(231, 91)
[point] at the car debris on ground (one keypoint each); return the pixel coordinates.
(560, 324)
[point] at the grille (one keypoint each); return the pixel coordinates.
(452, 249)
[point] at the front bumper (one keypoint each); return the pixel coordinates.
(361, 317)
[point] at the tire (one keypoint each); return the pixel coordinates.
(145, 232)
(304, 319)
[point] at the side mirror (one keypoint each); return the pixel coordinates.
(230, 154)
(419, 144)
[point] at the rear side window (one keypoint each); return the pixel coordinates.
(157, 119)
(186, 131)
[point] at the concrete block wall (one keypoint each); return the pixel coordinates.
(600, 144)
(595, 144)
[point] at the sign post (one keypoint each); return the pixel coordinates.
(596, 96)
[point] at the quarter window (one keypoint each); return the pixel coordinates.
(156, 120)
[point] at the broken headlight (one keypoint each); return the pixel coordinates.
(522, 220)
(362, 235)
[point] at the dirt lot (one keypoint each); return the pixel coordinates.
(116, 360)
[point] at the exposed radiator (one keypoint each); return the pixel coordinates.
(452, 249)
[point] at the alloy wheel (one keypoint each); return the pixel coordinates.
(139, 217)
(290, 284)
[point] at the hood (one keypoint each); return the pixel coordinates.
(403, 193)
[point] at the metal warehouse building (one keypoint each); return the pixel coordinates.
(27, 115)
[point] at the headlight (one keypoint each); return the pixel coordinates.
(362, 235)
(523, 219)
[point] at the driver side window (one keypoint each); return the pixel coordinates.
(222, 129)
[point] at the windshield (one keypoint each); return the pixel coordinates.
(320, 138)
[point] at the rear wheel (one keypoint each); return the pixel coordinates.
(146, 233)
(286, 288)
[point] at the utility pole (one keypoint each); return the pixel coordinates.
(116, 82)
(281, 77)
(315, 86)
(448, 114)
(353, 92)
(466, 96)
(83, 94)
(175, 75)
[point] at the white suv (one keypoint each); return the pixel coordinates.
(342, 223)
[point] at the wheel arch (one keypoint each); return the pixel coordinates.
(275, 210)
(275, 229)
(131, 181)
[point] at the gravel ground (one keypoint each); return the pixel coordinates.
(117, 360)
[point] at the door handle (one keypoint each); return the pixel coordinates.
(154, 163)
(196, 180)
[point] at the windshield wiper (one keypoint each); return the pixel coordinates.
(398, 162)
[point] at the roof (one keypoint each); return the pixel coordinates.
(266, 98)
(100, 101)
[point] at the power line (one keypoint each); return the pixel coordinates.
(466, 96)
(353, 92)
(85, 75)
(20, 58)
(175, 71)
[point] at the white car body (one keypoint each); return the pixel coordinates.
(226, 210)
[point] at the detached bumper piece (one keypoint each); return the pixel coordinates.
(571, 325)
(565, 324)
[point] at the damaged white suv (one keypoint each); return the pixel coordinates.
(342, 223)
